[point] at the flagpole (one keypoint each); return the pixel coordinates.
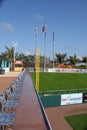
(44, 30)
(36, 43)
(14, 45)
(53, 49)
(44, 51)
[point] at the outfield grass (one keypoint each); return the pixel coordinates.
(78, 122)
(61, 81)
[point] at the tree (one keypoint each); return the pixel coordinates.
(84, 60)
(8, 55)
(60, 58)
(73, 60)
(28, 61)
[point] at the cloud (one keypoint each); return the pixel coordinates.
(7, 26)
(26, 53)
(39, 17)
(68, 47)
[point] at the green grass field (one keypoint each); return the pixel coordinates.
(78, 122)
(61, 81)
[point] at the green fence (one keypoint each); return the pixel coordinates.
(51, 101)
(53, 98)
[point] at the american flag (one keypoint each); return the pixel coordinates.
(44, 28)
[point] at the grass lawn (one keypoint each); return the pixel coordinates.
(61, 81)
(78, 122)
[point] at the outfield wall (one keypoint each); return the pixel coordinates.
(67, 70)
(63, 99)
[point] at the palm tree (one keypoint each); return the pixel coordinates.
(84, 60)
(73, 60)
(60, 58)
(9, 55)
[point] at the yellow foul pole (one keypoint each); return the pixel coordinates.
(37, 67)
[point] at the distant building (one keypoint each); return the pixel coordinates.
(18, 66)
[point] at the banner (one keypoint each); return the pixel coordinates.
(68, 99)
(84, 97)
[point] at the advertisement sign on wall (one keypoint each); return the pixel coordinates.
(84, 97)
(68, 99)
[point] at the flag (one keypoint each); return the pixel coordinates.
(36, 31)
(44, 28)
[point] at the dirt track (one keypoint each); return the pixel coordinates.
(56, 115)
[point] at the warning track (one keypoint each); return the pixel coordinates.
(56, 115)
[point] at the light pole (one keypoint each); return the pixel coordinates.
(14, 46)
